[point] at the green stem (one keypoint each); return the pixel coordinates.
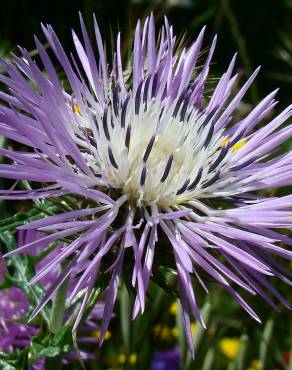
(266, 343)
(58, 309)
(242, 353)
(125, 318)
(53, 363)
(209, 359)
(56, 322)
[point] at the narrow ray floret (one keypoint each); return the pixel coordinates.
(150, 159)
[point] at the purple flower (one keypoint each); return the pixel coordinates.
(166, 360)
(13, 333)
(13, 307)
(156, 159)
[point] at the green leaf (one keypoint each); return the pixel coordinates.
(14, 361)
(265, 345)
(49, 345)
(6, 366)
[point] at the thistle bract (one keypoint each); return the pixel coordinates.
(155, 164)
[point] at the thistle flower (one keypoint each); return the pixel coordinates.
(161, 165)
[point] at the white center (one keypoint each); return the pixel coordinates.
(153, 156)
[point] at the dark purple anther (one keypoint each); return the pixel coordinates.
(235, 140)
(185, 107)
(138, 98)
(209, 135)
(146, 88)
(219, 159)
(95, 122)
(92, 141)
(167, 168)
(154, 85)
(178, 104)
(124, 111)
(197, 180)
(128, 137)
(211, 181)
(209, 117)
(245, 164)
(116, 100)
(148, 149)
(143, 176)
(183, 188)
(104, 124)
(111, 158)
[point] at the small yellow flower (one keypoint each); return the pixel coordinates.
(165, 333)
(175, 331)
(229, 347)
(122, 358)
(156, 330)
(96, 334)
(255, 365)
(173, 308)
(133, 359)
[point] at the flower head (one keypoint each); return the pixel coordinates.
(154, 163)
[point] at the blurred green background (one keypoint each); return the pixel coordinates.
(261, 31)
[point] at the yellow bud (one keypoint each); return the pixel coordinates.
(173, 308)
(175, 331)
(256, 365)
(122, 358)
(165, 333)
(156, 330)
(133, 359)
